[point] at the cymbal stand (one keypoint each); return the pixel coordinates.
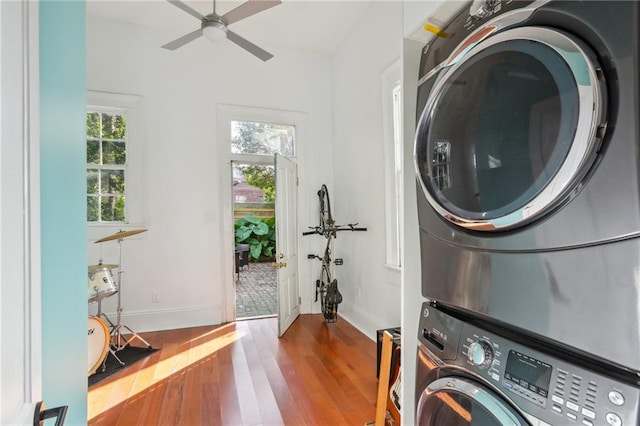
(111, 350)
(118, 341)
(111, 347)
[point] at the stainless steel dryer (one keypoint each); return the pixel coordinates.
(527, 157)
(472, 372)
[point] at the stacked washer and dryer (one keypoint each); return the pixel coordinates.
(527, 153)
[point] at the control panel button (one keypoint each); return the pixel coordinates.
(556, 408)
(616, 398)
(613, 419)
(556, 398)
(586, 422)
(572, 406)
(588, 413)
(572, 416)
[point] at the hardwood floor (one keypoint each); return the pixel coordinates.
(242, 374)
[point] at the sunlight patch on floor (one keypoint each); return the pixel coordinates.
(159, 371)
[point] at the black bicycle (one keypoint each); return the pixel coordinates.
(327, 285)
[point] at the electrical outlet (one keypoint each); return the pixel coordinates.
(155, 298)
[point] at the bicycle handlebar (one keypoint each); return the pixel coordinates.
(334, 228)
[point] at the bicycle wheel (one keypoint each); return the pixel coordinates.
(326, 220)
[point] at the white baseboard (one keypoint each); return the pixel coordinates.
(360, 319)
(169, 319)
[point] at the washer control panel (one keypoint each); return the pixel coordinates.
(542, 384)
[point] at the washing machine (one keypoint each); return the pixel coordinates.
(527, 162)
(472, 372)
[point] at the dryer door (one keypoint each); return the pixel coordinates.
(512, 125)
(455, 401)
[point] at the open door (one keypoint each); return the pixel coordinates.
(287, 242)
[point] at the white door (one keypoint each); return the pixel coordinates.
(287, 242)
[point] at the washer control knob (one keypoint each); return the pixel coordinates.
(480, 354)
(480, 9)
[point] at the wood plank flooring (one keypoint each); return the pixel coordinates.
(241, 374)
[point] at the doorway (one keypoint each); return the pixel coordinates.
(266, 138)
(256, 279)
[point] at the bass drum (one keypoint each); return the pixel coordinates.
(99, 341)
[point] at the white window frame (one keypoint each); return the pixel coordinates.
(393, 163)
(101, 167)
(131, 107)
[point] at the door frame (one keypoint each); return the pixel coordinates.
(225, 114)
(253, 160)
(21, 361)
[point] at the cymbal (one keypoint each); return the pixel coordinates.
(121, 234)
(93, 268)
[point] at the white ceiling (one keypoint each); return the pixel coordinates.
(317, 25)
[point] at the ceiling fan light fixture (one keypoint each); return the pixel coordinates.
(214, 30)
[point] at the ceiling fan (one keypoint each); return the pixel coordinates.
(214, 27)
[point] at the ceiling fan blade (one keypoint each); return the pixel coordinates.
(179, 42)
(249, 47)
(247, 9)
(186, 8)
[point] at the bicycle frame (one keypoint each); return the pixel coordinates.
(327, 285)
(327, 263)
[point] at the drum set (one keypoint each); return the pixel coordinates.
(105, 336)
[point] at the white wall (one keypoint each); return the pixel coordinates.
(181, 256)
(371, 290)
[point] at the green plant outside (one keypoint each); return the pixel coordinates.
(259, 233)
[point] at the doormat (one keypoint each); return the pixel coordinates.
(129, 355)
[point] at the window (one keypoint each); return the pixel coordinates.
(254, 182)
(115, 178)
(393, 149)
(106, 165)
(249, 137)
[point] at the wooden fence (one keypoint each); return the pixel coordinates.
(261, 210)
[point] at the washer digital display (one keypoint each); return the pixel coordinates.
(529, 373)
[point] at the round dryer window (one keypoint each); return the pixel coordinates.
(455, 401)
(510, 128)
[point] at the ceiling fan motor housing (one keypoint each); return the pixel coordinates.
(214, 28)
